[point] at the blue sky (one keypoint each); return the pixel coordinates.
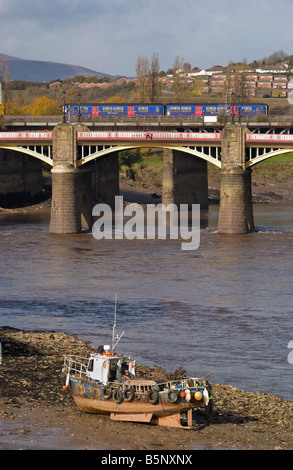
(108, 35)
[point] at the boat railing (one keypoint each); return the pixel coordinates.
(141, 385)
(138, 385)
(183, 383)
(75, 365)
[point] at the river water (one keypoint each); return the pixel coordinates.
(224, 308)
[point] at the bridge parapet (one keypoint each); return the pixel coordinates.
(269, 140)
(27, 137)
(147, 136)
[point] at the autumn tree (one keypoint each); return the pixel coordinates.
(235, 78)
(72, 94)
(5, 92)
(44, 106)
(198, 86)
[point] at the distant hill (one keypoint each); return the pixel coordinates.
(39, 71)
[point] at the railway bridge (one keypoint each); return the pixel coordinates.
(85, 171)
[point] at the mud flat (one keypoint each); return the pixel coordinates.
(37, 414)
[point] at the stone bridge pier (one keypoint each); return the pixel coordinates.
(236, 214)
(71, 187)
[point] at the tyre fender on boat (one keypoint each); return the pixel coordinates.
(173, 396)
(107, 392)
(128, 394)
(118, 396)
(153, 396)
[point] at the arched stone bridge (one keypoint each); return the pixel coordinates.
(73, 153)
(95, 144)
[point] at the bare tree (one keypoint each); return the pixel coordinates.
(142, 73)
(154, 87)
(187, 67)
(276, 57)
(180, 84)
(7, 76)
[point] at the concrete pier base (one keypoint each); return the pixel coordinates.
(71, 200)
(235, 214)
(248, 197)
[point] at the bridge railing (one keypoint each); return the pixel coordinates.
(179, 121)
(30, 118)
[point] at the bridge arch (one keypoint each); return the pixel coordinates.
(267, 155)
(118, 148)
(28, 151)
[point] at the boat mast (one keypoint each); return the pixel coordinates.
(115, 337)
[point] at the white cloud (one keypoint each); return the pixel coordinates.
(109, 35)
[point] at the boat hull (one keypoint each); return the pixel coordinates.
(103, 406)
(90, 397)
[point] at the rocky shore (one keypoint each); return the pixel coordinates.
(36, 413)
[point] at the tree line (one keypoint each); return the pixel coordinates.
(21, 97)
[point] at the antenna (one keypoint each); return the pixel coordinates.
(117, 337)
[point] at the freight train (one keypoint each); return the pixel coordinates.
(122, 109)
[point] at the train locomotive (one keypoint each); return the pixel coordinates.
(136, 110)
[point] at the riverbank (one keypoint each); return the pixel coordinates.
(36, 413)
(272, 181)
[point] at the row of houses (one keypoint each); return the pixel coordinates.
(261, 82)
(86, 85)
(259, 85)
(264, 81)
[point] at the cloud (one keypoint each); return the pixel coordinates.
(109, 35)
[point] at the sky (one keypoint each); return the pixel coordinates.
(109, 35)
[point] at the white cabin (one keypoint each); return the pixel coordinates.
(109, 367)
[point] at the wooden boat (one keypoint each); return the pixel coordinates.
(105, 383)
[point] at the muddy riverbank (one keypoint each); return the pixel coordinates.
(36, 413)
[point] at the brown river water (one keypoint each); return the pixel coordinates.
(225, 307)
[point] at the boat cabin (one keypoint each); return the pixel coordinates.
(110, 367)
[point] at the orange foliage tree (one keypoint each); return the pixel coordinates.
(43, 106)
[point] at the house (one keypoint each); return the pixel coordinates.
(215, 69)
(282, 67)
(55, 86)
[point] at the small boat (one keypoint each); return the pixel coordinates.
(105, 383)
